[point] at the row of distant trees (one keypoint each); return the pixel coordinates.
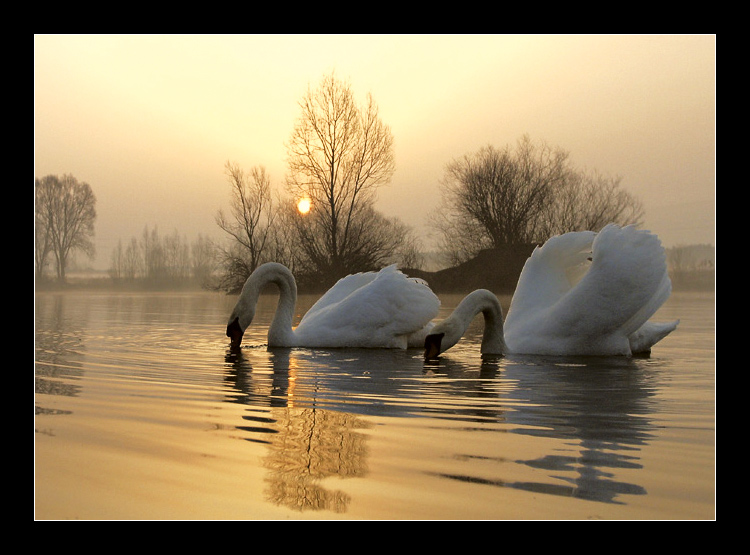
(692, 266)
(169, 259)
(339, 154)
(691, 258)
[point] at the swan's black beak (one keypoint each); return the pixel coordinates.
(234, 333)
(432, 345)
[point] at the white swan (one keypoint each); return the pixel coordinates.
(581, 293)
(384, 309)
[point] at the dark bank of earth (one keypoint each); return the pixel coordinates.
(494, 269)
(499, 269)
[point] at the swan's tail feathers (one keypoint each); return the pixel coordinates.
(648, 335)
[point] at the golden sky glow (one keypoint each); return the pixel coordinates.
(149, 121)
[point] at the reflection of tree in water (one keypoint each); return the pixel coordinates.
(57, 351)
(306, 444)
(312, 445)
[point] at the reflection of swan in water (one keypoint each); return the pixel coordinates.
(602, 405)
(599, 407)
(581, 293)
(384, 309)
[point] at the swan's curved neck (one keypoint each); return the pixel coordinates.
(280, 333)
(485, 302)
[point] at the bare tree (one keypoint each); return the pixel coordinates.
(132, 265)
(117, 262)
(459, 237)
(374, 241)
(407, 252)
(65, 213)
(589, 201)
(338, 155)
(249, 223)
(505, 192)
(523, 195)
(152, 251)
(250, 215)
(163, 261)
(284, 241)
(176, 257)
(203, 260)
(42, 235)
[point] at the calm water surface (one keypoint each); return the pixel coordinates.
(142, 412)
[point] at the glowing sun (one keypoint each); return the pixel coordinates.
(304, 205)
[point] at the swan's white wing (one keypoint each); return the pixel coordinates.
(341, 289)
(628, 279)
(624, 286)
(550, 273)
(381, 313)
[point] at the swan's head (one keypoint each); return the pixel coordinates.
(447, 333)
(442, 337)
(238, 323)
(243, 312)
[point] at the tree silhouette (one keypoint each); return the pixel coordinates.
(338, 155)
(65, 212)
(525, 194)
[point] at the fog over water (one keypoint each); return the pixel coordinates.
(149, 121)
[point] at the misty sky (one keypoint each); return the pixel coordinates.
(149, 121)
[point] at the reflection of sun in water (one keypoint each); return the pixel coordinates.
(304, 205)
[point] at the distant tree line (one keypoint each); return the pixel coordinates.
(163, 260)
(692, 266)
(338, 155)
(691, 258)
(64, 216)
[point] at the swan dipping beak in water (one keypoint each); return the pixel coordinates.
(447, 333)
(384, 309)
(235, 333)
(581, 293)
(432, 345)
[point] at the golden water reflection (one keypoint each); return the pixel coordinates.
(310, 446)
(306, 444)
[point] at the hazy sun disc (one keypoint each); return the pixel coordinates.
(304, 205)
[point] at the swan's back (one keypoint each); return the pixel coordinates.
(341, 289)
(374, 309)
(625, 284)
